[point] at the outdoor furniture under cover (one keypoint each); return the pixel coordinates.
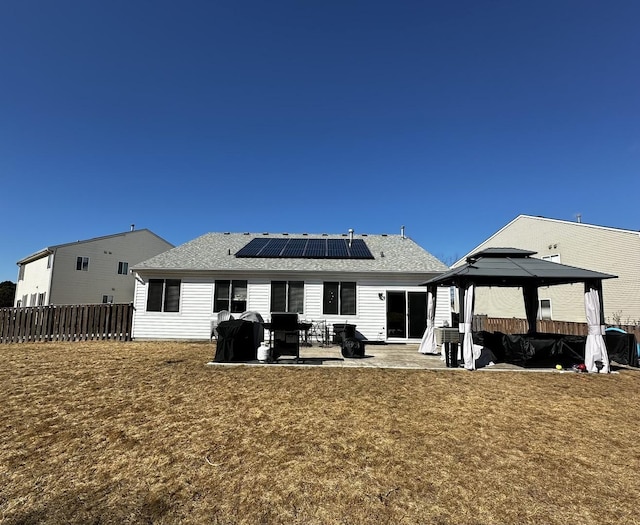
(512, 267)
(236, 341)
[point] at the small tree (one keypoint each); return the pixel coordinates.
(7, 293)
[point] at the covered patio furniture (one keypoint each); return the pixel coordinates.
(512, 267)
(236, 341)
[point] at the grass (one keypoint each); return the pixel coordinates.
(106, 433)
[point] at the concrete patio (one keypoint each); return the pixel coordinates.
(400, 356)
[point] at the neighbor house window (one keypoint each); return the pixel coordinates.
(231, 296)
(49, 260)
(33, 299)
(163, 295)
(123, 268)
(287, 296)
(544, 311)
(339, 298)
(107, 299)
(82, 263)
(41, 299)
(21, 273)
(553, 258)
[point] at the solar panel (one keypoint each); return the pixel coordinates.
(316, 248)
(253, 248)
(359, 250)
(273, 248)
(337, 249)
(295, 248)
(305, 248)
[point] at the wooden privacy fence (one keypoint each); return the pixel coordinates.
(520, 326)
(66, 323)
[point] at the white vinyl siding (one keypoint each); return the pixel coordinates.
(36, 280)
(197, 300)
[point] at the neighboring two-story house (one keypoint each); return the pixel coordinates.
(613, 251)
(371, 281)
(86, 272)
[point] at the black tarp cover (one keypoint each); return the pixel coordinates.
(622, 348)
(236, 342)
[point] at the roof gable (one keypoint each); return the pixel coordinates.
(50, 249)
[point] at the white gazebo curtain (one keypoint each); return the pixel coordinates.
(428, 343)
(595, 349)
(469, 353)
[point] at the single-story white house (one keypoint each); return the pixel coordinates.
(371, 281)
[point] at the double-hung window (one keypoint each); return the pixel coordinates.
(287, 296)
(339, 298)
(123, 268)
(163, 295)
(231, 296)
(82, 263)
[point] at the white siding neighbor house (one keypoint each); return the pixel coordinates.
(371, 281)
(86, 272)
(608, 250)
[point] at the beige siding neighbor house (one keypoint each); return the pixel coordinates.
(86, 272)
(371, 281)
(608, 250)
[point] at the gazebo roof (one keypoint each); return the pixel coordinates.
(513, 267)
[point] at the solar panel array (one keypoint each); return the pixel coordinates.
(306, 249)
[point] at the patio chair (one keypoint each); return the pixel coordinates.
(223, 315)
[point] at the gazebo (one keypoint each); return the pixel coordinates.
(512, 267)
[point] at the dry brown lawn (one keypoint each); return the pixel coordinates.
(95, 433)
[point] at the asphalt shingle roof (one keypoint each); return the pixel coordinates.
(514, 267)
(216, 251)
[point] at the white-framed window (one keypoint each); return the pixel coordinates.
(163, 295)
(230, 295)
(33, 300)
(49, 261)
(107, 299)
(41, 297)
(82, 263)
(25, 300)
(552, 258)
(544, 310)
(339, 298)
(123, 268)
(287, 296)
(21, 273)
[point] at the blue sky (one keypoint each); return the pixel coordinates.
(448, 117)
